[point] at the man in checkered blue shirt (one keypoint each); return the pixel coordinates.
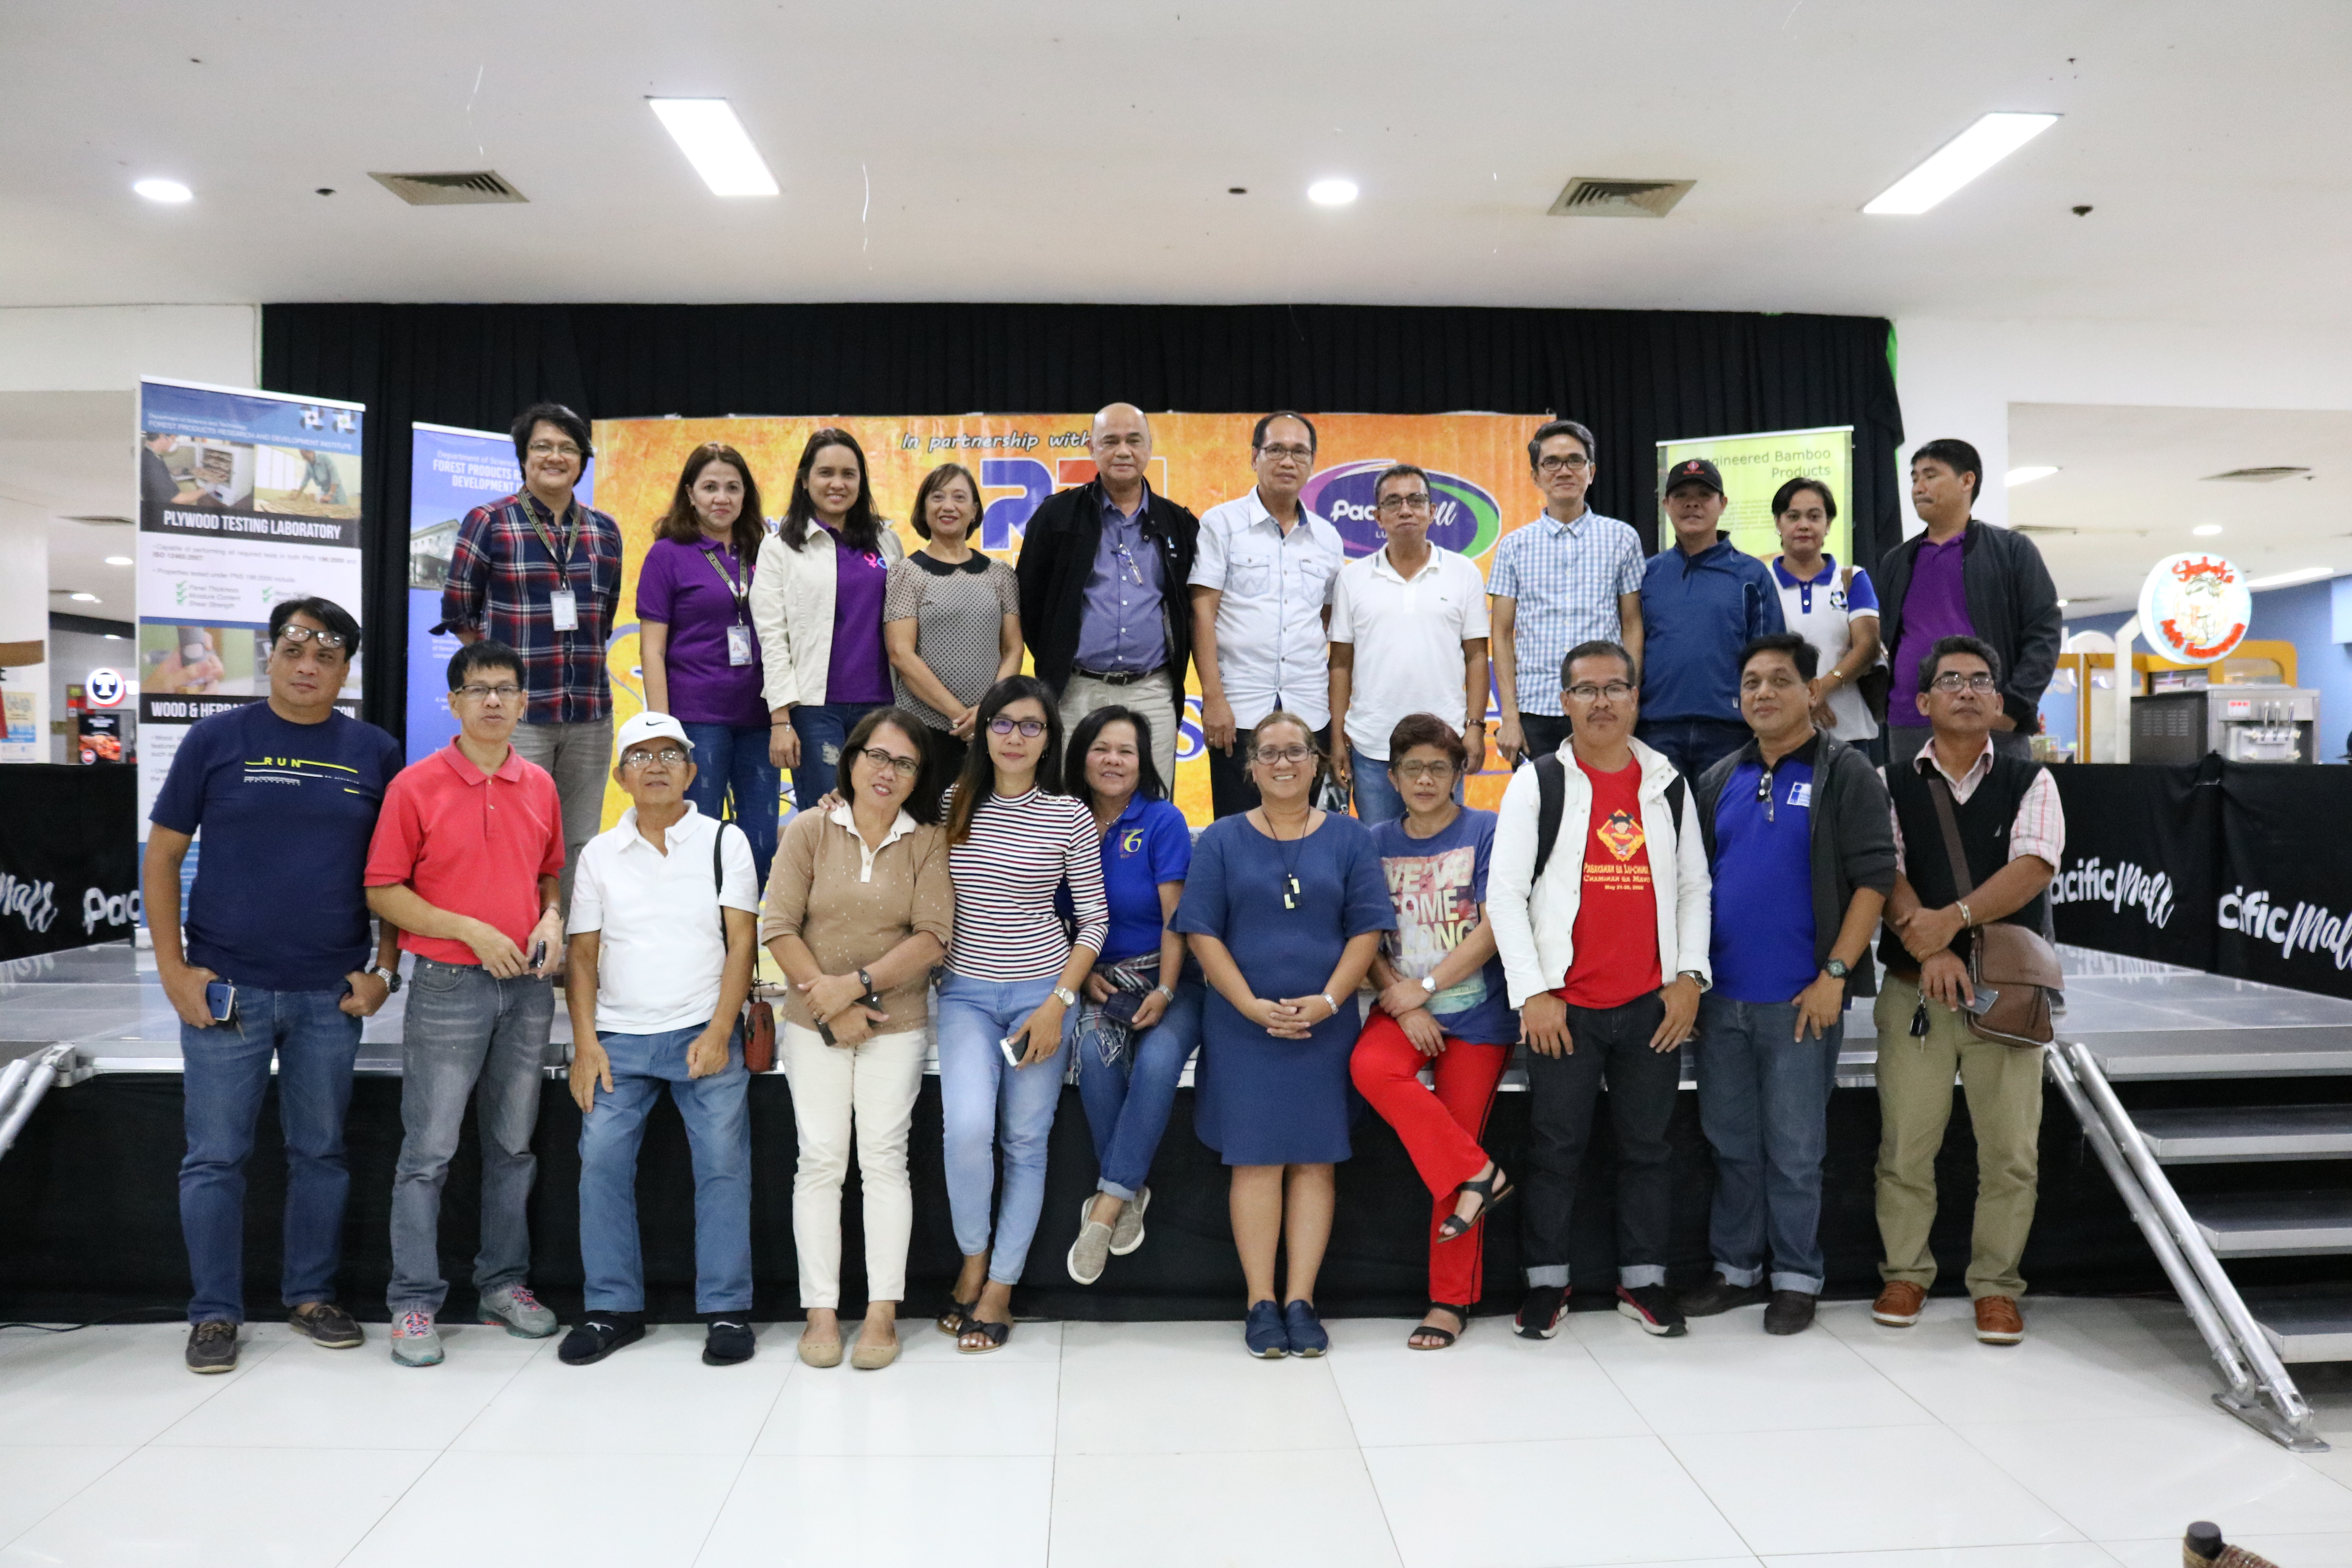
(1572, 576)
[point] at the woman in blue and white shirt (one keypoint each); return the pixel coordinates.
(1832, 607)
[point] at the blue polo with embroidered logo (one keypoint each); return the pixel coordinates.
(1149, 844)
(1763, 941)
(1697, 611)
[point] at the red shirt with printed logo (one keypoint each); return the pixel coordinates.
(1616, 937)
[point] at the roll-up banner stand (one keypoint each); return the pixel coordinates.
(245, 499)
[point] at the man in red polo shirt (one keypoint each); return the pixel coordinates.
(465, 862)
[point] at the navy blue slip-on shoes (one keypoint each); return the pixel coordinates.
(1262, 1332)
(1306, 1330)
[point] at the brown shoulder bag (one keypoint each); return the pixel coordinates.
(2011, 970)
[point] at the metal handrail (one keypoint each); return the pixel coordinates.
(40, 1070)
(2261, 1392)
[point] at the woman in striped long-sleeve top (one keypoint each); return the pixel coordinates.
(1012, 973)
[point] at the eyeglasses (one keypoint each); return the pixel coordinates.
(1417, 501)
(1294, 753)
(1780, 679)
(329, 642)
(1556, 464)
(1615, 690)
(1764, 793)
(1294, 454)
(1030, 728)
(553, 449)
(905, 767)
(1414, 772)
(1953, 681)
(668, 757)
(506, 693)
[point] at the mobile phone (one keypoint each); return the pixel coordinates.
(220, 996)
(539, 954)
(1014, 1047)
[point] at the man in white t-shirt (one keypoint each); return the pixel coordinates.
(663, 911)
(1408, 635)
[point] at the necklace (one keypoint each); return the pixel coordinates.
(1290, 889)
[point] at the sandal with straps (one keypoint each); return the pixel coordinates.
(1455, 1228)
(1445, 1336)
(953, 1321)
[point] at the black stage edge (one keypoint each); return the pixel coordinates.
(69, 871)
(89, 1223)
(1636, 377)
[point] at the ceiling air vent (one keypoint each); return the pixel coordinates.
(1587, 197)
(458, 190)
(2258, 475)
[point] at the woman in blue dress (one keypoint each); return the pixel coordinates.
(1284, 907)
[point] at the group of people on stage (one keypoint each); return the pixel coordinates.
(1695, 852)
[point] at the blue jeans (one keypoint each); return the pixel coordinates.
(1128, 1100)
(227, 1073)
(1764, 1101)
(987, 1104)
(717, 1131)
(466, 1026)
(822, 727)
(1374, 794)
(1693, 745)
(733, 759)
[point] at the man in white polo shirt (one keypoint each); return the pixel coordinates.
(1408, 635)
(655, 990)
(1261, 599)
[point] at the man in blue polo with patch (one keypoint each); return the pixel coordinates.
(1702, 602)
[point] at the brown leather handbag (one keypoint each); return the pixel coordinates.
(2011, 970)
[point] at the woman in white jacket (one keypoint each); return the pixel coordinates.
(816, 604)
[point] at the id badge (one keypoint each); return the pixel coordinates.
(738, 644)
(565, 608)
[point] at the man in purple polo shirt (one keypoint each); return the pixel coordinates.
(1965, 578)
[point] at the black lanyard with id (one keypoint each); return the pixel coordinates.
(738, 631)
(563, 607)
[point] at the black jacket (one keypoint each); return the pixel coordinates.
(1853, 838)
(1058, 557)
(2012, 602)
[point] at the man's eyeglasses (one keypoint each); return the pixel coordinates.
(506, 693)
(329, 642)
(1953, 681)
(1294, 753)
(1414, 772)
(668, 757)
(1417, 501)
(1030, 728)
(1570, 463)
(905, 767)
(1615, 690)
(553, 449)
(1294, 454)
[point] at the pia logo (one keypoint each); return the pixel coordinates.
(1467, 519)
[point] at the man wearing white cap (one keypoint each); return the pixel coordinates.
(660, 963)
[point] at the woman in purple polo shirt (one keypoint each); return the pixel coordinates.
(694, 635)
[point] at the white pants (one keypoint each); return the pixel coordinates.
(874, 1084)
(1150, 697)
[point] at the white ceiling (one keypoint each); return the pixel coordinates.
(2132, 484)
(1033, 151)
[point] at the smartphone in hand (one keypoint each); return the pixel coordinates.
(1014, 1046)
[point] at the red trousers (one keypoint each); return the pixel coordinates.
(1440, 1130)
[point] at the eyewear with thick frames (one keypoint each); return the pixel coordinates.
(297, 636)
(1417, 501)
(1294, 454)
(506, 693)
(1560, 464)
(1615, 690)
(905, 767)
(1414, 772)
(1953, 681)
(668, 757)
(1290, 754)
(1030, 728)
(553, 449)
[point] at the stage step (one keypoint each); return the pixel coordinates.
(2273, 1225)
(2305, 1322)
(2248, 1132)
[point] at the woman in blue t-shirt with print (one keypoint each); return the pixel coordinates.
(1443, 1005)
(1141, 1016)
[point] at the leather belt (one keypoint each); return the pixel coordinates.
(1116, 677)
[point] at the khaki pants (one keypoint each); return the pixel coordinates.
(841, 1094)
(1150, 697)
(2003, 1086)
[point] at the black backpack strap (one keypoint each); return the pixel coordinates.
(1551, 803)
(1675, 793)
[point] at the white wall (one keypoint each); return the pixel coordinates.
(25, 611)
(107, 348)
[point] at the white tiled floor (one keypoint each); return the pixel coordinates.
(2091, 1446)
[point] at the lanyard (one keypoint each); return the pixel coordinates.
(741, 590)
(570, 529)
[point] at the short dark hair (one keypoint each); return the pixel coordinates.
(1600, 647)
(923, 800)
(553, 414)
(1427, 729)
(488, 653)
(1551, 428)
(1787, 494)
(1958, 455)
(1148, 781)
(919, 519)
(1257, 433)
(1947, 647)
(326, 612)
(1802, 654)
(1398, 471)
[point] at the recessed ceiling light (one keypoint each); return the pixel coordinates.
(2206, 529)
(118, 561)
(2027, 475)
(1959, 161)
(1331, 193)
(116, 636)
(716, 143)
(163, 190)
(83, 598)
(2281, 579)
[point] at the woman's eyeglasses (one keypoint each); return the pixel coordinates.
(1290, 754)
(1030, 728)
(905, 767)
(1414, 772)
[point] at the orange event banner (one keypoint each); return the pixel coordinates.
(1477, 462)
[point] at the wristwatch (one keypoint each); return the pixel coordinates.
(1836, 969)
(1429, 984)
(391, 978)
(1066, 997)
(1167, 990)
(1696, 979)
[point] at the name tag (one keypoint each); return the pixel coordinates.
(565, 609)
(738, 644)
(1800, 793)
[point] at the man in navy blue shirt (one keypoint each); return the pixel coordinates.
(1702, 600)
(1801, 849)
(276, 962)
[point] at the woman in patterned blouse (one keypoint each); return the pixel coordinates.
(951, 617)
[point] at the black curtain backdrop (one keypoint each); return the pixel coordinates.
(1636, 377)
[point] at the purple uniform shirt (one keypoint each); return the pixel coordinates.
(860, 668)
(1934, 605)
(1120, 628)
(680, 586)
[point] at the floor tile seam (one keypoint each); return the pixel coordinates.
(1363, 1466)
(521, 1365)
(125, 1457)
(703, 1546)
(376, 1523)
(219, 1385)
(1720, 1511)
(2229, 1427)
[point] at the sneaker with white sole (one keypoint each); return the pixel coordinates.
(1091, 1251)
(1127, 1233)
(514, 1309)
(212, 1346)
(414, 1341)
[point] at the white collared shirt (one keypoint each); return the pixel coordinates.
(848, 819)
(663, 954)
(1408, 635)
(1271, 648)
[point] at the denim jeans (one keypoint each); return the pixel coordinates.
(226, 1074)
(1693, 745)
(988, 1105)
(718, 1132)
(733, 759)
(466, 1026)
(1611, 1046)
(1128, 1100)
(822, 727)
(1764, 1100)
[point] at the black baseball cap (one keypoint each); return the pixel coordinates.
(1694, 472)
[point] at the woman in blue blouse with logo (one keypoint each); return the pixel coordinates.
(1142, 1015)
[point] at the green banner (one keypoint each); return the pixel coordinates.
(1753, 467)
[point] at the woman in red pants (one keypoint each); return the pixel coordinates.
(1441, 1005)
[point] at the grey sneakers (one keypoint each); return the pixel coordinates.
(414, 1341)
(326, 1325)
(1093, 1249)
(212, 1346)
(1128, 1234)
(517, 1310)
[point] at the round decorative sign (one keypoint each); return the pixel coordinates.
(103, 688)
(2193, 608)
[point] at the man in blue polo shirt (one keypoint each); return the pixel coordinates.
(1801, 848)
(1701, 601)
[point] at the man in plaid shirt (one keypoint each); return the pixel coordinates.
(541, 572)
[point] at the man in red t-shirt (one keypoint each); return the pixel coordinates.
(1605, 955)
(464, 862)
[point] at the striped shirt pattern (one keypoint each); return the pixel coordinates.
(501, 577)
(1565, 578)
(1021, 849)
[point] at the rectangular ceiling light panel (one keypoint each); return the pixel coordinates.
(716, 143)
(1961, 159)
